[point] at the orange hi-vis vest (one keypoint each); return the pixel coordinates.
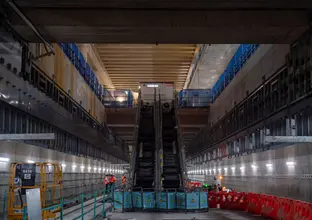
(123, 180)
(112, 179)
(106, 181)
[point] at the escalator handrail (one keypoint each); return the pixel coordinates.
(180, 143)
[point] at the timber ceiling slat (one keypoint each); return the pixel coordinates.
(130, 64)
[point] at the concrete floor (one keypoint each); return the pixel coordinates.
(216, 214)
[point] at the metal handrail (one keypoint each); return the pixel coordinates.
(157, 134)
(180, 144)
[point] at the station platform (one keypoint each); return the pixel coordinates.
(216, 214)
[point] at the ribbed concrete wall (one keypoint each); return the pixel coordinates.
(293, 181)
(75, 179)
(264, 62)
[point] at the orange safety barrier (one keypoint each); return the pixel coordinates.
(285, 209)
(269, 206)
(254, 203)
(302, 210)
(240, 201)
(212, 199)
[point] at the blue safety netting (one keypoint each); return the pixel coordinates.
(239, 59)
(117, 98)
(77, 59)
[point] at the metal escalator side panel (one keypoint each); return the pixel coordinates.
(134, 142)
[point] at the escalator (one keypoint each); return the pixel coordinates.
(145, 157)
(171, 166)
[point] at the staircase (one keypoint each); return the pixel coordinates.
(171, 167)
(145, 157)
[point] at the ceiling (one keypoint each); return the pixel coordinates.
(212, 64)
(128, 65)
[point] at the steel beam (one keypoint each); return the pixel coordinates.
(36, 136)
(288, 139)
(121, 125)
(192, 126)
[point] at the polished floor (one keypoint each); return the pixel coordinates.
(212, 214)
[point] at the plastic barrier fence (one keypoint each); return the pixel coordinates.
(269, 206)
(161, 200)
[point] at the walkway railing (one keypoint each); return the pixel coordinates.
(97, 204)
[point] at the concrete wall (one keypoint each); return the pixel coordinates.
(264, 62)
(293, 181)
(75, 179)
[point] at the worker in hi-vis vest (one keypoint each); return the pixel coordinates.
(112, 181)
(123, 180)
(106, 182)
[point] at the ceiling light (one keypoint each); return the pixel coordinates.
(233, 168)
(30, 161)
(82, 167)
(120, 99)
(63, 165)
(221, 57)
(4, 159)
(254, 166)
(74, 166)
(269, 165)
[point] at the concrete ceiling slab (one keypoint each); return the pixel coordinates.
(96, 25)
(212, 64)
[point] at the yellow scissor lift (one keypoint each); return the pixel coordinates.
(49, 182)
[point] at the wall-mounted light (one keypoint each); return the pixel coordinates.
(290, 163)
(269, 165)
(82, 167)
(242, 168)
(74, 166)
(4, 159)
(254, 166)
(63, 165)
(233, 168)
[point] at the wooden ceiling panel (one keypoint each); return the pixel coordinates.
(128, 65)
